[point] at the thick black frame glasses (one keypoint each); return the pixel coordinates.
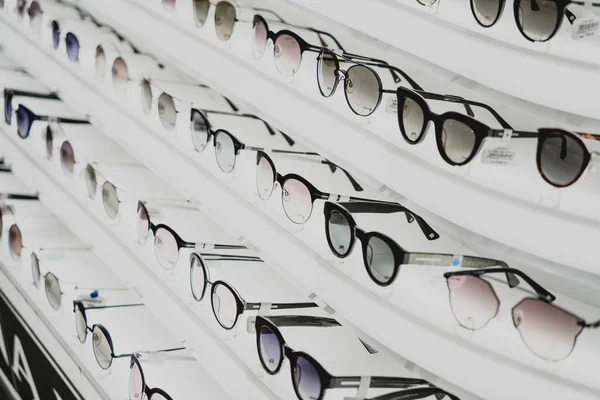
(10, 93)
(547, 330)
(416, 393)
(545, 16)
(26, 118)
(167, 241)
(137, 384)
(81, 322)
(382, 256)
(309, 378)
(223, 292)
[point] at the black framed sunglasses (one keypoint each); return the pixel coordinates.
(10, 93)
(547, 330)
(81, 322)
(26, 118)
(382, 256)
(227, 304)
(137, 384)
(537, 20)
(167, 243)
(309, 378)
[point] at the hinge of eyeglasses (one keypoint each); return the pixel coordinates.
(363, 388)
(264, 310)
(338, 197)
(451, 97)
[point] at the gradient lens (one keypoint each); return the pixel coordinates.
(110, 200)
(49, 138)
(146, 96)
(225, 17)
(55, 34)
(80, 325)
(15, 242)
(472, 300)
(265, 178)
(23, 122)
(166, 248)
(224, 305)
(142, 224)
(296, 200)
(547, 330)
(269, 349)
(225, 151)
(72, 44)
(167, 112)
(35, 270)
(537, 19)
(91, 182)
(100, 63)
(199, 128)
(136, 381)
(380, 260)
(35, 13)
(486, 12)
(561, 158)
(169, 4)
(201, 8)
(340, 234)
(287, 55)
(306, 379)
(120, 76)
(458, 141)
(327, 66)
(102, 348)
(412, 119)
(52, 289)
(363, 90)
(197, 279)
(67, 158)
(259, 44)
(8, 108)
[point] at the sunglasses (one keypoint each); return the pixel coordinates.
(37, 265)
(227, 304)
(309, 378)
(26, 118)
(382, 256)
(548, 331)
(15, 238)
(10, 93)
(537, 20)
(137, 384)
(167, 243)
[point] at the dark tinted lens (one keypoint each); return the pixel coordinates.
(102, 348)
(91, 181)
(306, 379)
(547, 330)
(35, 270)
(21, 4)
(67, 158)
(201, 8)
(100, 63)
(23, 122)
(326, 72)
(120, 76)
(458, 140)
(52, 289)
(561, 158)
(199, 131)
(225, 17)
(340, 234)
(259, 44)
(269, 349)
(537, 19)
(197, 279)
(167, 112)
(472, 300)
(412, 119)
(225, 152)
(49, 137)
(55, 34)
(110, 200)
(380, 260)
(146, 96)
(363, 90)
(143, 224)
(72, 44)
(34, 10)
(15, 242)
(486, 12)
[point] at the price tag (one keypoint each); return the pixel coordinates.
(587, 25)
(498, 155)
(391, 106)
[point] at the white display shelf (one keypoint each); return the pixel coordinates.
(542, 231)
(420, 339)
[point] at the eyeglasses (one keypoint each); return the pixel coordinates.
(266, 173)
(10, 93)
(36, 263)
(26, 118)
(547, 330)
(382, 256)
(225, 16)
(15, 238)
(537, 20)
(363, 88)
(309, 378)
(227, 304)
(137, 384)
(81, 325)
(167, 243)
(110, 196)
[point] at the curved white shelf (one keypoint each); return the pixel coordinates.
(353, 304)
(542, 230)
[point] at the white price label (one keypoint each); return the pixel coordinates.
(391, 106)
(498, 155)
(585, 27)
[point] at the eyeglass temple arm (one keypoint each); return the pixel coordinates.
(229, 257)
(373, 62)
(568, 13)
(417, 393)
(467, 103)
(280, 306)
(15, 196)
(590, 325)
(64, 120)
(381, 207)
(112, 306)
(273, 13)
(302, 320)
(447, 260)
(540, 291)
(377, 382)
(202, 245)
(157, 355)
(24, 93)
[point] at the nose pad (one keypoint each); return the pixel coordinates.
(287, 196)
(158, 242)
(350, 86)
(518, 317)
(277, 50)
